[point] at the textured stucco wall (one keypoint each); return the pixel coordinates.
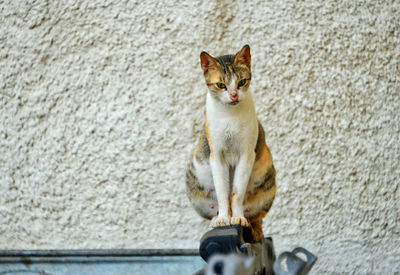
(101, 101)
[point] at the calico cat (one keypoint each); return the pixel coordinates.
(231, 177)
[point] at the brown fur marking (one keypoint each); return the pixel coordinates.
(193, 189)
(260, 141)
(202, 150)
(262, 195)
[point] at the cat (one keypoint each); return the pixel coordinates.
(231, 178)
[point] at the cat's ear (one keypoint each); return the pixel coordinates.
(243, 56)
(207, 62)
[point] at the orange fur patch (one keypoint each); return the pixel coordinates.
(258, 217)
(262, 164)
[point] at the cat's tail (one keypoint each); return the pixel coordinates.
(256, 230)
(254, 233)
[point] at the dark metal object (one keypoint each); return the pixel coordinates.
(228, 240)
(221, 240)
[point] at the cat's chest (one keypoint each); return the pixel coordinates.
(232, 137)
(228, 132)
(231, 143)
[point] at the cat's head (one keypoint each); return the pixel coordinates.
(228, 77)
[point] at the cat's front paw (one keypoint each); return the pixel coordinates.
(220, 221)
(240, 220)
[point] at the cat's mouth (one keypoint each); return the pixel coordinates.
(233, 103)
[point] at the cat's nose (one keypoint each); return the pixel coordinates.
(233, 95)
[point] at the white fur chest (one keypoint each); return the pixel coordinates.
(232, 130)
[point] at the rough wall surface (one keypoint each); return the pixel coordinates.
(101, 101)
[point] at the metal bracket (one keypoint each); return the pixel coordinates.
(226, 253)
(294, 264)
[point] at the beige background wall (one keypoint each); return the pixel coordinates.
(100, 103)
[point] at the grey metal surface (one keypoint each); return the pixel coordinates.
(99, 262)
(231, 264)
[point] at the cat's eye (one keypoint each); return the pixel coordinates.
(241, 83)
(221, 85)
